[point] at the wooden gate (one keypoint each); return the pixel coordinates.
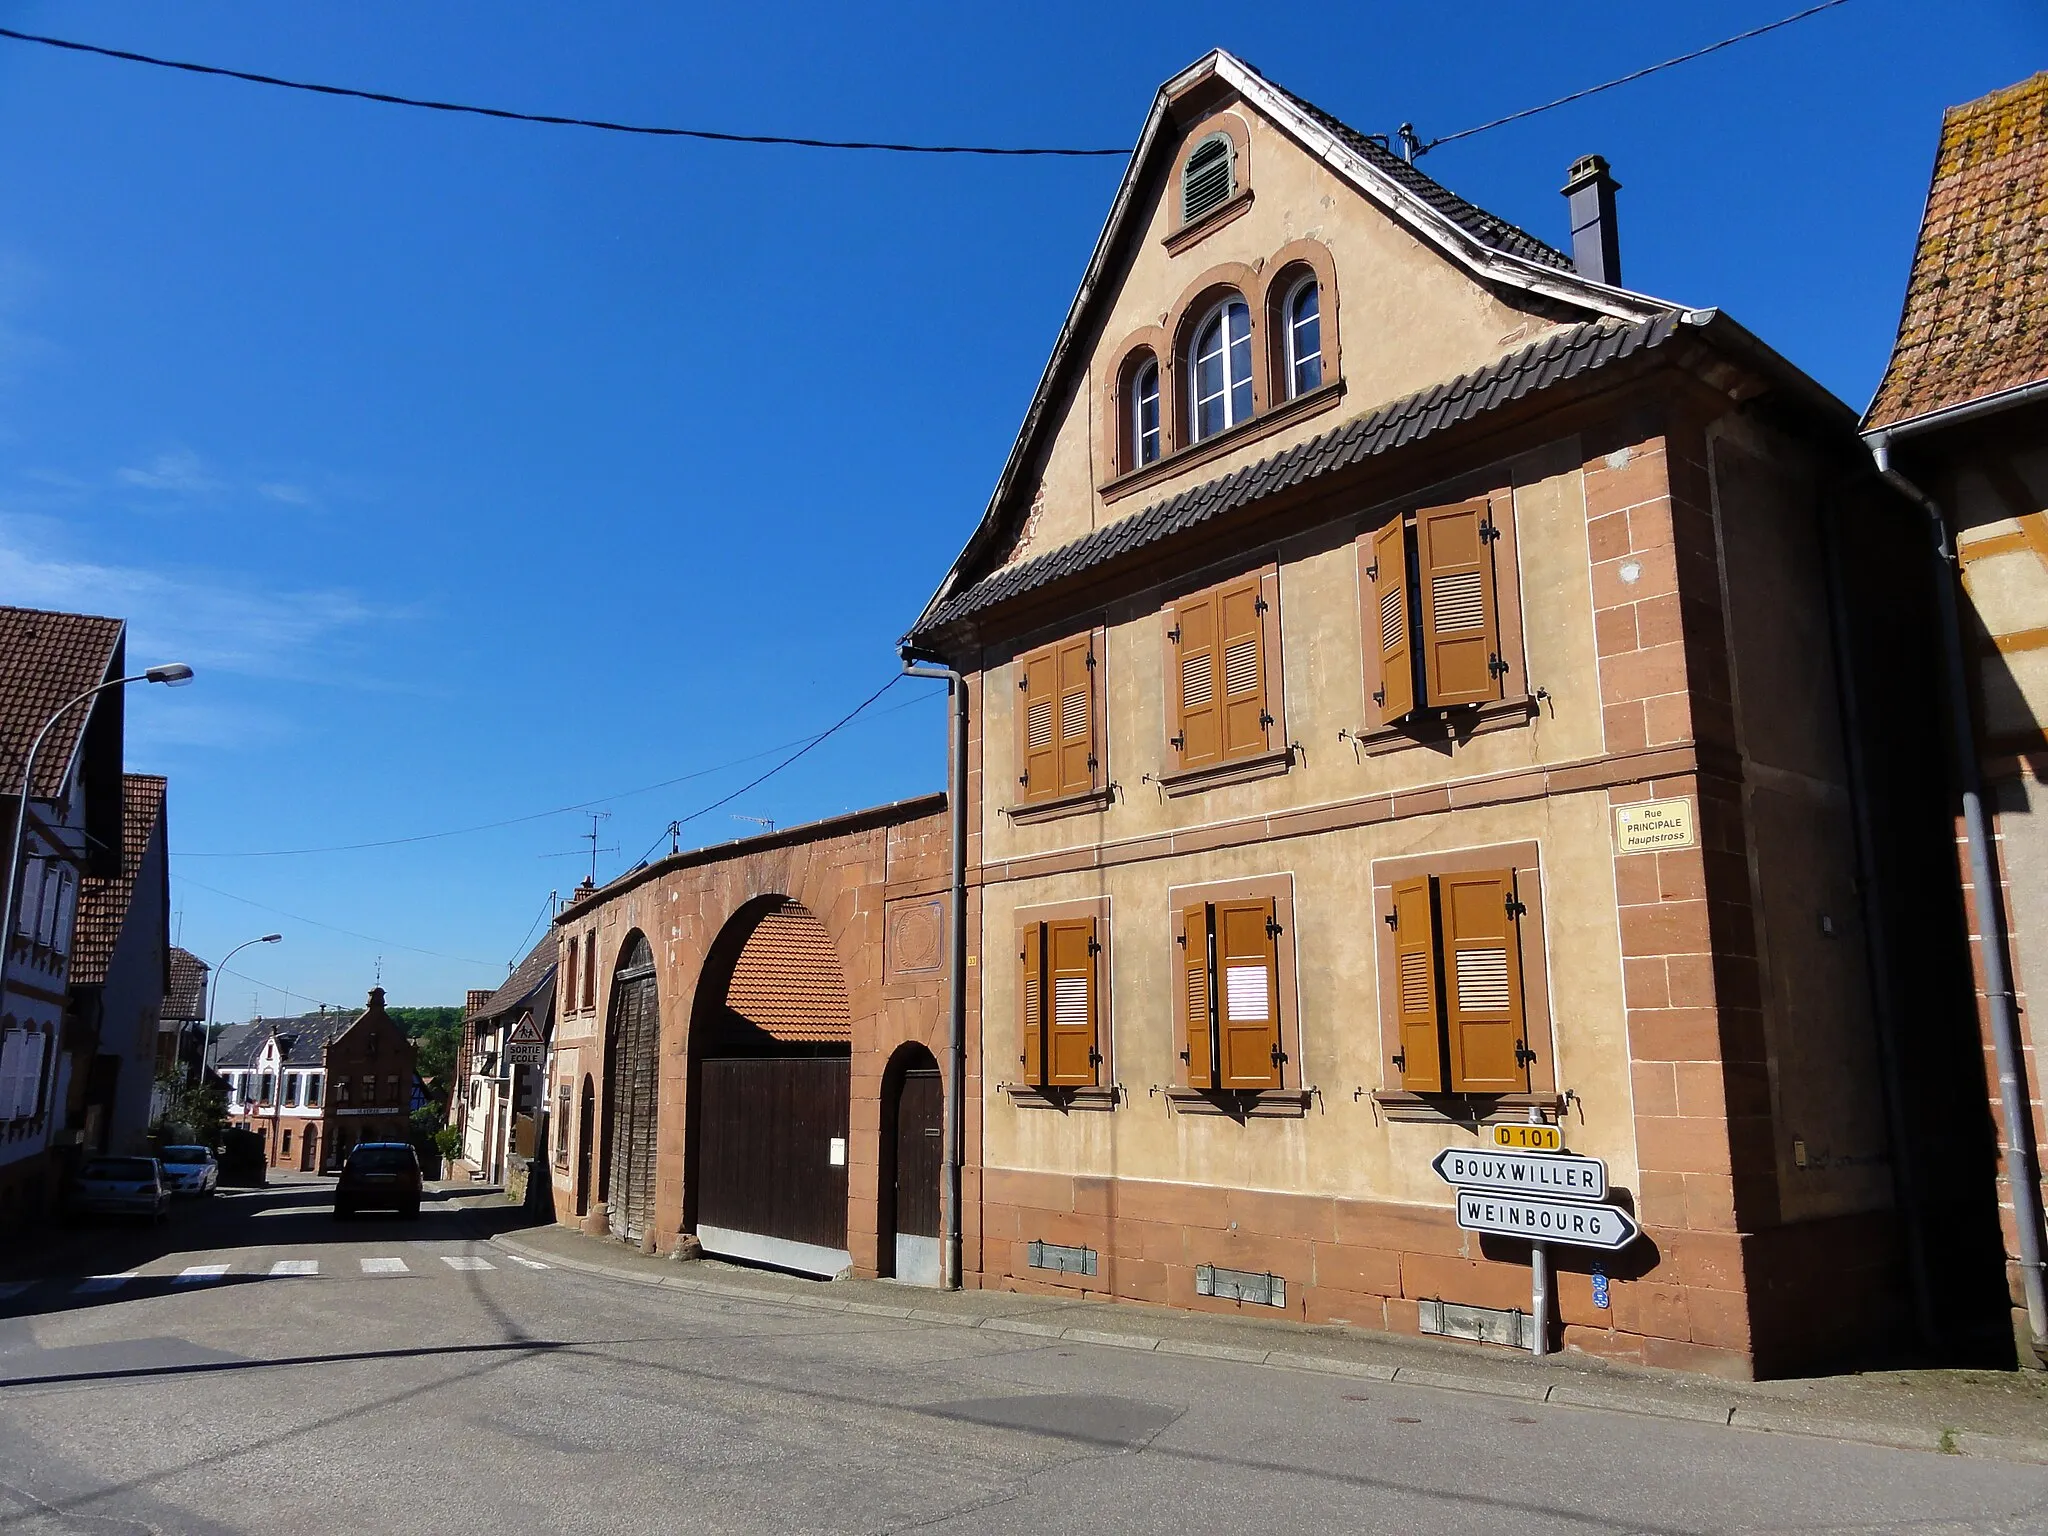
(919, 1153)
(631, 1089)
(771, 1139)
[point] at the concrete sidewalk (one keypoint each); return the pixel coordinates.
(2000, 1415)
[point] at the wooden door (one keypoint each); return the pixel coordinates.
(632, 1105)
(771, 1171)
(586, 1122)
(919, 1153)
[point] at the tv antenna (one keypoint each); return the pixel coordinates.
(765, 823)
(597, 820)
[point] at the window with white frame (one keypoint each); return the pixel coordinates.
(1220, 372)
(1144, 412)
(1303, 314)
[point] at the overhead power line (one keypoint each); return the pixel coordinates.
(314, 922)
(1416, 147)
(551, 119)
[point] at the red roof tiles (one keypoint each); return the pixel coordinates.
(103, 900)
(47, 659)
(1976, 312)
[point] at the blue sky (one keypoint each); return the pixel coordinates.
(485, 468)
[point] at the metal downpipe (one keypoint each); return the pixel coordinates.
(956, 1031)
(2005, 1032)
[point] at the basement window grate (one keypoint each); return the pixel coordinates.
(1240, 1285)
(1483, 1325)
(1059, 1256)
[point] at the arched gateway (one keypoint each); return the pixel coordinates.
(632, 1057)
(770, 1045)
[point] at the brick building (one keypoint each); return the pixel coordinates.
(1413, 681)
(343, 1080)
(1962, 416)
(746, 1047)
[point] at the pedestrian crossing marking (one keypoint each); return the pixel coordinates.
(466, 1261)
(94, 1284)
(385, 1267)
(285, 1267)
(529, 1263)
(200, 1274)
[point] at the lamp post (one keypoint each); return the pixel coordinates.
(172, 674)
(213, 993)
(284, 1042)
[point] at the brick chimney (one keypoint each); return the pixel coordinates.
(478, 996)
(1589, 190)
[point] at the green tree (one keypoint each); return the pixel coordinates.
(190, 1109)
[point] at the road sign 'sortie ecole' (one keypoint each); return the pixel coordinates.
(1526, 1173)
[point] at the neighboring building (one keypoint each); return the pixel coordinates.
(345, 1079)
(74, 815)
(120, 972)
(747, 1043)
(1963, 414)
(1415, 682)
(506, 1034)
(182, 1033)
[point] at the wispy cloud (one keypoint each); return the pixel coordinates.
(290, 495)
(178, 473)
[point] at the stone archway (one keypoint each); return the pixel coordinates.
(632, 1105)
(765, 1157)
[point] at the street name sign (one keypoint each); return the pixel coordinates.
(1579, 1223)
(1523, 1173)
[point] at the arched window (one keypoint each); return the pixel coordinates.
(1142, 411)
(1206, 178)
(1302, 316)
(1220, 372)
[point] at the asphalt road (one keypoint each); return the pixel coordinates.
(257, 1366)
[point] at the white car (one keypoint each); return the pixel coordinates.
(121, 1186)
(189, 1170)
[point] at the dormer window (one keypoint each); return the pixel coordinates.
(1220, 372)
(1303, 319)
(1144, 413)
(1207, 178)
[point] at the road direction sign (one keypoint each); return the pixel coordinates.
(1578, 1223)
(1523, 1173)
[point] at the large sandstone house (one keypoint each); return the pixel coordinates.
(1414, 682)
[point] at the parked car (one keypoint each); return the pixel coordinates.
(120, 1186)
(190, 1170)
(379, 1175)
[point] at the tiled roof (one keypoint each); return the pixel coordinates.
(47, 659)
(185, 998)
(787, 981)
(1564, 355)
(1487, 228)
(1976, 313)
(526, 979)
(103, 899)
(240, 1044)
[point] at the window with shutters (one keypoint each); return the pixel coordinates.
(1462, 994)
(1062, 1003)
(1441, 616)
(1236, 1031)
(589, 969)
(1059, 729)
(1207, 177)
(1223, 682)
(569, 977)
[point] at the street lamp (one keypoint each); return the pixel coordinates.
(172, 674)
(284, 1042)
(213, 994)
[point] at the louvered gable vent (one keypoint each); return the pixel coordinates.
(1205, 179)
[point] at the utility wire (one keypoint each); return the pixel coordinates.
(514, 821)
(817, 740)
(549, 118)
(313, 922)
(1594, 90)
(271, 986)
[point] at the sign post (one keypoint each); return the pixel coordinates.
(1535, 1189)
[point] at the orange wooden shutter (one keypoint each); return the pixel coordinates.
(1075, 725)
(1245, 716)
(1460, 643)
(1195, 997)
(1248, 994)
(1389, 621)
(1483, 982)
(1415, 987)
(1200, 717)
(569, 978)
(1031, 1002)
(1070, 962)
(1038, 750)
